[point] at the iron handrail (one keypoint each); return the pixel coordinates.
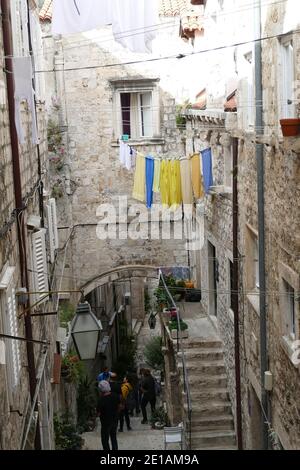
(180, 346)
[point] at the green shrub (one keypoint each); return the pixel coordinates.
(72, 368)
(66, 434)
(87, 404)
(153, 353)
(173, 325)
(66, 313)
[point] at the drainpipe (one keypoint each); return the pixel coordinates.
(235, 296)
(41, 186)
(8, 52)
(261, 223)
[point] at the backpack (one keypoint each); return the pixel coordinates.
(157, 387)
(130, 400)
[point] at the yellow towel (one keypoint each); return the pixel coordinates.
(186, 182)
(156, 181)
(165, 183)
(196, 176)
(175, 184)
(139, 191)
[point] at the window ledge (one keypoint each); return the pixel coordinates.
(287, 345)
(140, 142)
(253, 299)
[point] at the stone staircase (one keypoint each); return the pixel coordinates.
(212, 424)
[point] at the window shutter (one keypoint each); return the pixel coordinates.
(16, 20)
(52, 228)
(40, 267)
(12, 324)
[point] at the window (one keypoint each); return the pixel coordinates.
(39, 268)
(252, 259)
(289, 313)
(136, 109)
(290, 318)
(52, 228)
(19, 19)
(8, 306)
(287, 94)
(137, 119)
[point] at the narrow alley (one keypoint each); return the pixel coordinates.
(149, 226)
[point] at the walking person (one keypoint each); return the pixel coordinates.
(148, 394)
(127, 402)
(108, 407)
(104, 375)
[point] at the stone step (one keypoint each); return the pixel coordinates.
(210, 367)
(214, 448)
(213, 438)
(213, 408)
(201, 343)
(202, 354)
(213, 423)
(205, 381)
(137, 328)
(209, 394)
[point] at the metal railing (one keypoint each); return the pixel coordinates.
(180, 348)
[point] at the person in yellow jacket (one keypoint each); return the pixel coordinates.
(127, 397)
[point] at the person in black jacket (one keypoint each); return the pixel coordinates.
(148, 394)
(108, 410)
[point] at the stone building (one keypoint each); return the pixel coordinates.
(231, 88)
(28, 247)
(87, 89)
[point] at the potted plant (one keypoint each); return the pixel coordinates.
(290, 127)
(71, 368)
(173, 327)
(159, 418)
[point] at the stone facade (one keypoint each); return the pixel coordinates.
(281, 157)
(92, 168)
(14, 399)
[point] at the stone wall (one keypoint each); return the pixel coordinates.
(11, 422)
(282, 172)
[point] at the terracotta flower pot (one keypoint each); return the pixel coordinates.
(290, 127)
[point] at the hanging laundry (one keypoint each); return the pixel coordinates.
(165, 183)
(128, 157)
(23, 75)
(156, 181)
(207, 169)
(196, 176)
(122, 152)
(139, 178)
(149, 181)
(77, 16)
(186, 181)
(135, 23)
(175, 184)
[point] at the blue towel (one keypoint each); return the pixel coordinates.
(149, 181)
(207, 169)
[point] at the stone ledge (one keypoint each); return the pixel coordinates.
(141, 143)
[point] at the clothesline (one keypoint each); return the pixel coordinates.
(178, 180)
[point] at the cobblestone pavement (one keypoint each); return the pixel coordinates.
(142, 437)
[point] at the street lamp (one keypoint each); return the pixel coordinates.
(85, 331)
